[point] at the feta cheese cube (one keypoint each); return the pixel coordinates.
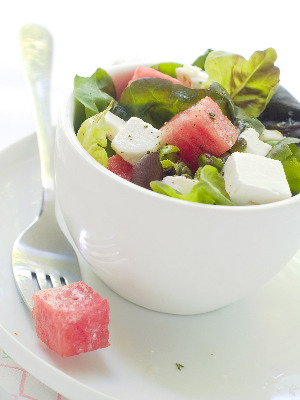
(135, 139)
(254, 144)
(191, 76)
(270, 135)
(114, 123)
(180, 183)
(253, 179)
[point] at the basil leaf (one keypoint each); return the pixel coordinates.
(168, 68)
(157, 100)
(209, 190)
(95, 93)
(251, 84)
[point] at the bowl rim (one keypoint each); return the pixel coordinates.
(66, 123)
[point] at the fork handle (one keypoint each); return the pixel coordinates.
(36, 46)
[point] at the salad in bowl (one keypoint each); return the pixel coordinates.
(179, 183)
(220, 131)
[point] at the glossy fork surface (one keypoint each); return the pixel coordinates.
(42, 257)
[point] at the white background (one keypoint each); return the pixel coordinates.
(89, 34)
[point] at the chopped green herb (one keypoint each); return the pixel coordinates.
(179, 366)
(212, 115)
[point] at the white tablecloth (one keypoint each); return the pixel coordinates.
(93, 34)
(19, 384)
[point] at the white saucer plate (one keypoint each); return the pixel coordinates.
(249, 350)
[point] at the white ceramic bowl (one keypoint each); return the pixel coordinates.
(163, 253)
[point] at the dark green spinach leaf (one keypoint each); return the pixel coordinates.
(157, 100)
(94, 93)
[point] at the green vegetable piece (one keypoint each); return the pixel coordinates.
(251, 84)
(200, 61)
(94, 93)
(209, 190)
(242, 121)
(168, 68)
(240, 145)
(284, 149)
(167, 164)
(208, 159)
(182, 169)
(176, 168)
(92, 136)
(288, 153)
(169, 152)
(291, 168)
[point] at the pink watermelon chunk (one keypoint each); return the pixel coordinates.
(202, 128)
(146, 72)
(71, 319)
(120, 167)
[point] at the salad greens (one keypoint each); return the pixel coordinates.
(247, 91)
(93, 94)
(251, 84)
(92, 136)
(209, 190)
(282, 113)
(170, 162)
(157, 100)
(288, 153)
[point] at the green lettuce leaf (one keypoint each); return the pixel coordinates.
(94, 93)
(251, 84)
(288, 153)
(157, 100)
(167, 68)
(209, 190)
(92, 136)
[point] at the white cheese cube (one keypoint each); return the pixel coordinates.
(114, 123)
(270, 135)
(254, 144)
(180, 183)
(253, 179)
(191, 76)
(135, 139)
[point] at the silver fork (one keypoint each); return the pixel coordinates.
(42, 257)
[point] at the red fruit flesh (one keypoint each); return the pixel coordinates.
(202, 128)
(120, 167)
(146, 72)
(71, 319)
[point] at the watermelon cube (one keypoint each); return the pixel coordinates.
(147, 72)
(71, 319)
(119, 166)
(201, 128)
